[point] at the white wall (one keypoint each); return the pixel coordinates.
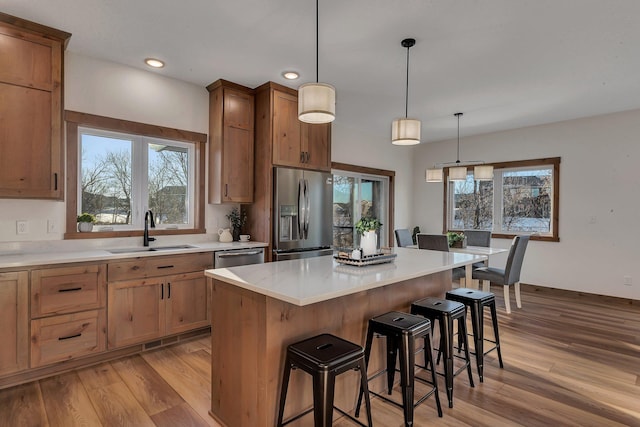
(113, 90)
(599, 178)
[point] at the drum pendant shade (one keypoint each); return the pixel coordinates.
(316, 103)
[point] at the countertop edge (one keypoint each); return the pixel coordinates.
(33, 259)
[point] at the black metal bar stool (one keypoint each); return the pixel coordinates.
(477, 300)
(324, 357)
(401, 331)
(446, 312)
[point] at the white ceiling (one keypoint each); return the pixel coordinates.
(503, 63)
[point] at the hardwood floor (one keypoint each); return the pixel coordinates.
(570, 360)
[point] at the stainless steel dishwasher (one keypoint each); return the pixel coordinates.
(235, 257)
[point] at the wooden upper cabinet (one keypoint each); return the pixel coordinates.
(287, 150)
(31, 66)
(231, 132)
(298, 144)
(316, 144)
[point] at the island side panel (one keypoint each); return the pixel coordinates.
(265, 326)
(237, 344)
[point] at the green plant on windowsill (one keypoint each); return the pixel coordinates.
(455, 240)
(85, 222)
(368, 224)
(86, 217)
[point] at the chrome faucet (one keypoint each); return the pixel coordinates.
(145, 237)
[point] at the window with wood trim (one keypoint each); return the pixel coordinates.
(522, 198)
(118, 170)
(360, 191)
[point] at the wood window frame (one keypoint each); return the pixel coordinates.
(547, 161)
(381, 172)
(76, 119)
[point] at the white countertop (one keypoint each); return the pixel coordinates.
(307, 281)
(20, 259)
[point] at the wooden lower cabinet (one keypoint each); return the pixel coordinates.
(67, 336)
(14, 321)
(143, 310)
(187, 306)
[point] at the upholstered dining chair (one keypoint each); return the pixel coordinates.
(434, 242)
(478, 237)
(510, 275)
(439, 242)
(403, 237)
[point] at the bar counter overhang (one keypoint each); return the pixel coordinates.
(257, 310)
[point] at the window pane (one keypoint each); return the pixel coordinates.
(472, 204)
(356, 197)
(168, 183)
(106, 178)
(343, 212)
(526, 200)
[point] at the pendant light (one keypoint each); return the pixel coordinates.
(316, 101)
(458, 173)
(458, 170)
(406, 131)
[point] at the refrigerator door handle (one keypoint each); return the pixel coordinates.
(301, 208)
(307, 209)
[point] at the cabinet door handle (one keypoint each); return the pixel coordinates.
(161, 291)
(69, 290)
(169, 293)
(165, 266)
(308, 156)
(55, 181)
(302, 157)
(69, 337)
(226, 190)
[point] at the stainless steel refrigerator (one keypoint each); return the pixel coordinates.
(303, 206)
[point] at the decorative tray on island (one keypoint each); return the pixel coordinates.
(379, 258)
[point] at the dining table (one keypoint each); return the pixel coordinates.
(486, 251)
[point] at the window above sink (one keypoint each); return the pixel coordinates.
(124, 168)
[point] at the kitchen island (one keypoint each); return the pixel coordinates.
(257, 310)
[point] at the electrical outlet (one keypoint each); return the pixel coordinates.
(627, 281)
(22, 227)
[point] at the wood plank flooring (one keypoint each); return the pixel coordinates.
(570, 359)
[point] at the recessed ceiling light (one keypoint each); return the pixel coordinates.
(290, 75)
(155, 63)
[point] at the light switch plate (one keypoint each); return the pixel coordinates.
(22, 227)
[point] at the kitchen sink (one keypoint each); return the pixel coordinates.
(171, 248)
(145, 249)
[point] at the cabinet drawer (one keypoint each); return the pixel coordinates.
(67, 289)
(159, 266)
(67, 336)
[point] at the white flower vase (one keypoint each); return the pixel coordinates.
(369, 243)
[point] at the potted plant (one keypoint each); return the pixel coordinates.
(237, 218)
(456, 240)
(85, 222)
(368, 227)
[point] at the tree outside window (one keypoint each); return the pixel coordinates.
(519, 199)
(124, 175)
